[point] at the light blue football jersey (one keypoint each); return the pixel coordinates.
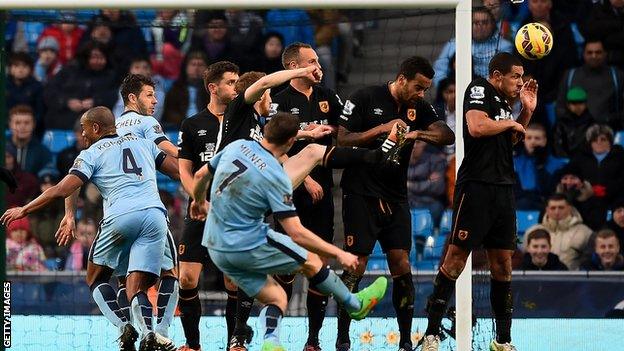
(248, 182)
(143, 126)
(124, 171)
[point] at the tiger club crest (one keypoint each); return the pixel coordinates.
(324, 106)
(411, 114)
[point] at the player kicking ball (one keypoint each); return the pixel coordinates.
(247, 181)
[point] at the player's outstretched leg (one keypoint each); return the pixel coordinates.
(325, 281)
(300, 165)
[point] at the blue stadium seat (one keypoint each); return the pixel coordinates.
(172, 135)
(434, 247)
(57, 139)
(422, 223)
(379, 263)
(525, 219)
(446, 221)
(431, 264)
(619, 138)
(377, 252)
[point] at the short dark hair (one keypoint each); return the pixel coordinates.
(140, 58)
(538, 234)
(536, 126)
(214, 73)
(483, 9)
(281, 128)
(605, 233)
(246, 80)
(21, 57)
(132, 84)
(291, 53)
(559, 197)
(411, 66)
(21, 109)
(593, 40)
(503, 62)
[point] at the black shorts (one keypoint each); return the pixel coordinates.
(370, 219)
(318, 217)
(190, 248)
(484, 215)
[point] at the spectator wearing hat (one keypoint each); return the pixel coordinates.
(617, 220)
(23, 88)
(48, 63)
(580, 194)
(535, 168)
(23, 251)
(27, 184)
(46, 222)
(602, 165)
(604, 85)
(606, 255)
(32, 156)
(537, 256)
(570, 126)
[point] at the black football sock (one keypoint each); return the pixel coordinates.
(317, 305)
(352, 282)
(190, 314)
(502, 306)
(230, 312)
(403, 301)
(243, 308)
(437, 302)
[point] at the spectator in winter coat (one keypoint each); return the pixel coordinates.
(568, 235)
(86, 83)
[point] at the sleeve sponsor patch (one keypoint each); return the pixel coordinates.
(477, 92)
(348, 108)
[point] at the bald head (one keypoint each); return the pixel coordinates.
(96, 123)
(100, 115)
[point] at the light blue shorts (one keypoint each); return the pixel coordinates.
(249, 269)
(133, 241)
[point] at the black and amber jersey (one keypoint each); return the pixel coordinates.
(487, 159)
(322, 107)
(240, 121)
(368, 108)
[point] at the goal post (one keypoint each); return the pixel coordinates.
(463, 25)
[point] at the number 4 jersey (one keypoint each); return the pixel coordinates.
(124, 171)
(248, 182)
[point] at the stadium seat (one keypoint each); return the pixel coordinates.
(378, 263)
(57, 139)
(446, 221)
(434, 247)
(428, 265)
(619, 138)
(525, 219)
(377, 252)
(172, 135)
(422, 223)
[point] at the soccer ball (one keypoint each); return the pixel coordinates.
(534, 41)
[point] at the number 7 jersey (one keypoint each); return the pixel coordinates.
(248, 182)
(124, 171)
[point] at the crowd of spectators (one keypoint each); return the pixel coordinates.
(570, 165)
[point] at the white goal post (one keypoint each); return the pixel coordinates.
(463, 31)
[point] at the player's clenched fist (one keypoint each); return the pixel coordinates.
(199, 210)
